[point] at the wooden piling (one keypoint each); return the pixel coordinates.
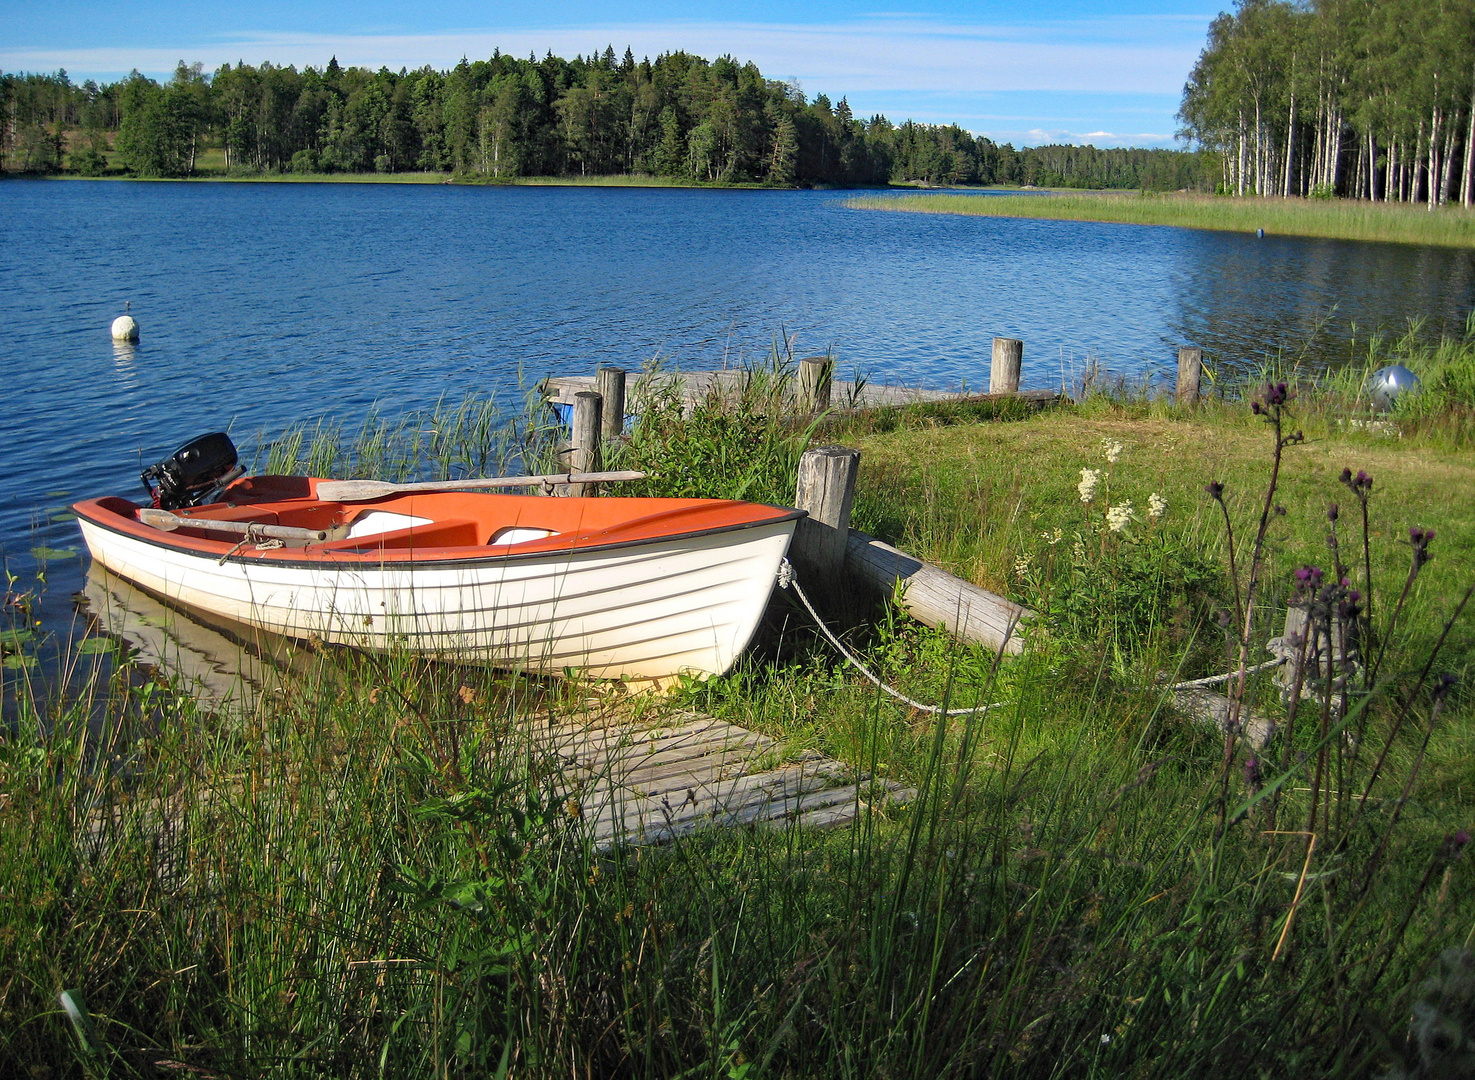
(1003, 369)
(583, 453)
(1190, 370)
(610, 383)
(816, 377)
(826, 488)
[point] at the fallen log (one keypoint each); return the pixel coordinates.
(936, 598)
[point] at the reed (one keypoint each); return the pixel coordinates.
(382, 871)
(1450, 226)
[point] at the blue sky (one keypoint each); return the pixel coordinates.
(1109, 73)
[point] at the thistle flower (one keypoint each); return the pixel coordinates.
(1215, 490)
(1157, 506)
(1090, 481)
(1118, 517)
(1112, 449)
(1420, 538)
(1360, 484)
(1254, 779)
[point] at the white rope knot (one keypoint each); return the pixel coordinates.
(785, 573)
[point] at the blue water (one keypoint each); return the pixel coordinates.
(263, 304)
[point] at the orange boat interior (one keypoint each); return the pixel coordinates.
(428, 523)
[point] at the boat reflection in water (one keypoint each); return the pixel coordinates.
(227, 668)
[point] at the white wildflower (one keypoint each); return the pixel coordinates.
(1078, 550)
(1022, 565)
(1052, 538)
(1112, 449)
(1117, 517)
(1157, 506)
(1090, 481)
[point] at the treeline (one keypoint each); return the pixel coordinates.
(1369, 99)
(678, 116)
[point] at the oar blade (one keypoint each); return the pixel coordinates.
(162, 520)
(355, 490)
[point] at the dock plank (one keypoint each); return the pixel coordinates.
(648, 783)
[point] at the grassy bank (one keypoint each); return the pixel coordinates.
(1332, 219)
(383, 872)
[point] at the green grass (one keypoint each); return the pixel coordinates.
(379, 873)
(1450, 226)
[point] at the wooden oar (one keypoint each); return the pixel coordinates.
(167, 522)
(361, 490)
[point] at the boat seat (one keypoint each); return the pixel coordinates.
(452, 532)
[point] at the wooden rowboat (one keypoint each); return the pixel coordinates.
(637, 589)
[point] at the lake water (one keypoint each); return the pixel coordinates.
(264, 304)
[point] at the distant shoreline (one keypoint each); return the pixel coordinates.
(448, 179)
(635, 180)
(1330, 219)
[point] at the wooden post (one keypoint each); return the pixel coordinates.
(1190, 368)
(826, 489)
(583, 453)
(816, 375)
(610, 382)
(1003, 369)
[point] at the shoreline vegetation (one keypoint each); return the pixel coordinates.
(678, 116)
(1339, 219)
(641, 180)
(377, 871)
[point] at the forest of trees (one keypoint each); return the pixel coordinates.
(678, 116)
(1369, 99)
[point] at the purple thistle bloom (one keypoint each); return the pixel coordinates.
(1332, 512)
(1215, 490)
(1252, 773)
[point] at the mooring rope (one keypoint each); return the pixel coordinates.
(787, 579)
(1212, 679)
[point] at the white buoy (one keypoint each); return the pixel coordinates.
(125, 329)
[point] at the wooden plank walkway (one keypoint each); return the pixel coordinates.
(635, 781)
(697, 386)
(647, 783)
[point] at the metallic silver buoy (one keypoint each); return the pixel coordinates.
(1388, 384)
(125, 329)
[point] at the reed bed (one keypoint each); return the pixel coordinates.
(1449, 226)
(382, 872)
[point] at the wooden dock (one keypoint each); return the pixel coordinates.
(693, 387)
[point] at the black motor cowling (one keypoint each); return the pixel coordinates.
(194, 474)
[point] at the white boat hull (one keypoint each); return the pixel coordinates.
(646, 611)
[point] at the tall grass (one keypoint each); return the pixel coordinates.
(385, 871)
(476, 436)
(1334, 219)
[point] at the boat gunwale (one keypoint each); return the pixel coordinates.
(91, 511)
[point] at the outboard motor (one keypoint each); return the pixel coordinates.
(194, 474)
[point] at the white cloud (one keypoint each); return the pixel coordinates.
(1148, 55)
